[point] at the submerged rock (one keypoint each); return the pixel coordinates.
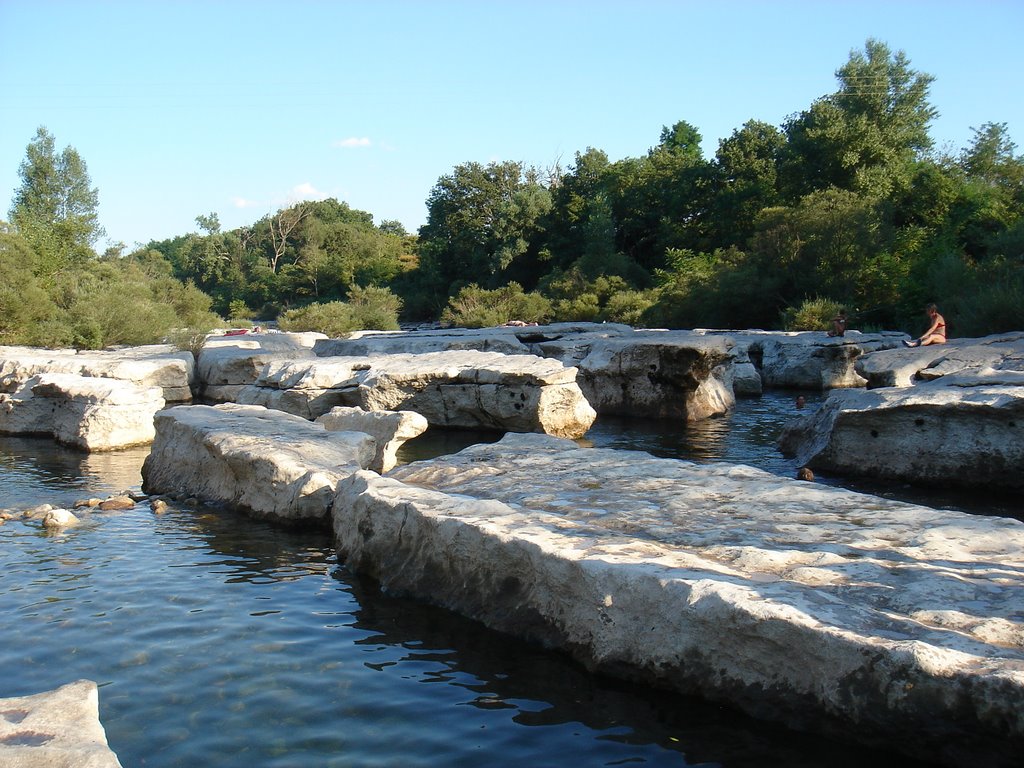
(57, 519)
(266, 463)
(55, 729)
(797, 602)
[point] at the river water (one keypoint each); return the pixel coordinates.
(220, 641)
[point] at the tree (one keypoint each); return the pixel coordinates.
(864, 136)
(481, 219)
(54, 209)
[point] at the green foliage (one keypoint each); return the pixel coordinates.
(812, 315)
(476, 307)
(55, 206)
(370, 308)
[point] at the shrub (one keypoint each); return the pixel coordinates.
(335, 318)
(476, 307)
(813, 315)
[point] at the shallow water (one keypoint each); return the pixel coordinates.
(222, 641)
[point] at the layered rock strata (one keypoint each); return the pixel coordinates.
(963, 431)
(902, 367)
(458, 388)
(84, 412)
(158, 365)
(229, 363)
(266, 463)
(823, 608)
(390, 429)
(55, 729)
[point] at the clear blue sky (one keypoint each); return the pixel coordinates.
(183, 108)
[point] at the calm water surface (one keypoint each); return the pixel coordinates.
(221, 641)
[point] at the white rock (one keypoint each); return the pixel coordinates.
(60, 518)
(960, 432)
(390, 430)
(457, 388)
(804, 603)
(55, 729)
(901, 367)
(267, 463)
(157, 365)
(89, 413)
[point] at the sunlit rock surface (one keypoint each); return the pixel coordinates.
(902, 367)
(672, 374)
(266, 463)
(816, 606)
(228, 363)
(55, 729)
(457, 388)
(85, 412)
(961, 431)
(159, 365)
(390, 429)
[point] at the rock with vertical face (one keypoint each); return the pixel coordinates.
(55, 729)
(266, 463)
(795, 601)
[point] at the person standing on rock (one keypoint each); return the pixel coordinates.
(936, 333)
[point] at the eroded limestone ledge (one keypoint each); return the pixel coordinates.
(158, 365)
(55, 729)
(390, 429)
(902, 367)
(960, 431)
(86, 412)
(229, 363)
(820, 607)
(267, 463)
(457, 388)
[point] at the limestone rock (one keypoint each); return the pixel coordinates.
(390, 430)
(228, 363)
(954, 432)
(57, 519)
(159, 365)
(267, 463)
(901, 367)
(55, 729)
(458, 388)
(798, 602)
(85, 412)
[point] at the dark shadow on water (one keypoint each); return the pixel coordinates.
(541, 688)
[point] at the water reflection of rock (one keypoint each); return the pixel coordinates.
(545, 688)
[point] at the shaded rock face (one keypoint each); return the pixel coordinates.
(812, 605)
(149, 366)
(902, 367)
(458, 388)
(229, 363)
(55, 729)
(965, 433)
(390, 429)
(88, 413)
(803, 359)
(266, 463)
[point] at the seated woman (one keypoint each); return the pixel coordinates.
(936, 333)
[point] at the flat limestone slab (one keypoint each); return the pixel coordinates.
(902, 367)
(55, 729)
(959, 431)
(86, 412)
(267, 463)
(819, 607)
(156, 365)
(458, 388)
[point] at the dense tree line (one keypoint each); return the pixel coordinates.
(847, 203)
